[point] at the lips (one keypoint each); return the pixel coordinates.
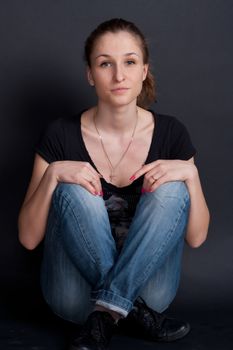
(121, 89)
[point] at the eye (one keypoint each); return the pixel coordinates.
(105, 64)
(130, 62)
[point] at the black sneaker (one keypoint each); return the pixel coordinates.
(144, 322)
(95, 333)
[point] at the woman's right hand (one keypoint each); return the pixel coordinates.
(45, 177)
(81, 173)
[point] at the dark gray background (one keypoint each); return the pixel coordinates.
(42, 76)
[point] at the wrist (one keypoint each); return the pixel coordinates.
(193, 175)
(51, 173)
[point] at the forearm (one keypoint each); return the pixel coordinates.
(199, 217)
(33, 214)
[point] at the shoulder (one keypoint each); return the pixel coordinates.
(57, 137)
(62, 125)
(168, 124)
(166, 119)
(173, 137)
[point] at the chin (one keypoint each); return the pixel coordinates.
(122, 101)
(122, 104)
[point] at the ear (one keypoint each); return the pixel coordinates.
(145, 70)
(89, 76)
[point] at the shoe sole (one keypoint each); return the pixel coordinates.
(177, 336)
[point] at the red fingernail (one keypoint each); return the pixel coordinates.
(143, 190)
(132, 178)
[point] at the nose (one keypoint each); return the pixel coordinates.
(119, 73)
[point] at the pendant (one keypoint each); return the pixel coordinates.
(111, 176)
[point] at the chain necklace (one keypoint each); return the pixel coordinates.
(111, 166)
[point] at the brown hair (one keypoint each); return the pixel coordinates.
(114, 25)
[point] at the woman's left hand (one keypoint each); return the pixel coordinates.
(161, 171)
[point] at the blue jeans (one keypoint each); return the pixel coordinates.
(81, 266)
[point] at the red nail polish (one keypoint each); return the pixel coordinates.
(143, 190)
(132, 178)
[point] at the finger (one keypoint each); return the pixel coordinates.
(140, 172)
(87, 174)
(89, 187)
(92, 169)
(94, 179)
(145, 168)
(158, 183)
(97, 185)
(146, 187)
(155, 173)
(149, 179)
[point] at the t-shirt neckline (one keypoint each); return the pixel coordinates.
(88, 157)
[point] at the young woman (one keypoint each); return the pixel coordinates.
(115, 192)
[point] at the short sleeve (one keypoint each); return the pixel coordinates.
(51, 142)
(181, 144)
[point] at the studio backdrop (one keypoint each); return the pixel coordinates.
(42, 77)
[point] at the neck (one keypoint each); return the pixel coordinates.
(117, 120)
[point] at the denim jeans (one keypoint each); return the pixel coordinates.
(81, 266)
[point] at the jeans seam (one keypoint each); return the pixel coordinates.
(148, 268)
(81, 228)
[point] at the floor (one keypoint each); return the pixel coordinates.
(39, 329)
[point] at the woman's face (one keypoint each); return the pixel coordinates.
(117, 70)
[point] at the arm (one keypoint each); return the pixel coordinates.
(34, 211)
(199, 216)
(45, 177)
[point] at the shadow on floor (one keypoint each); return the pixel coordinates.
(41, 330)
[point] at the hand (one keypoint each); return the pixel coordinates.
(81, 173)
(161, 171)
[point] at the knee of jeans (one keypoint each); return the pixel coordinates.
(66, 192)
(75, 313)
(69, 306)
(172, 190)
(65, 189)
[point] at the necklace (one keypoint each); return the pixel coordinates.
(111, 166)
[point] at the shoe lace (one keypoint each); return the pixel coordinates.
(98, 330)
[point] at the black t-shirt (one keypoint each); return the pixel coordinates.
(62, 140)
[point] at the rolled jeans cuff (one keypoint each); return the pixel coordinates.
(112, 301)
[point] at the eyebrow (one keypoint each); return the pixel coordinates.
(126, 54)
